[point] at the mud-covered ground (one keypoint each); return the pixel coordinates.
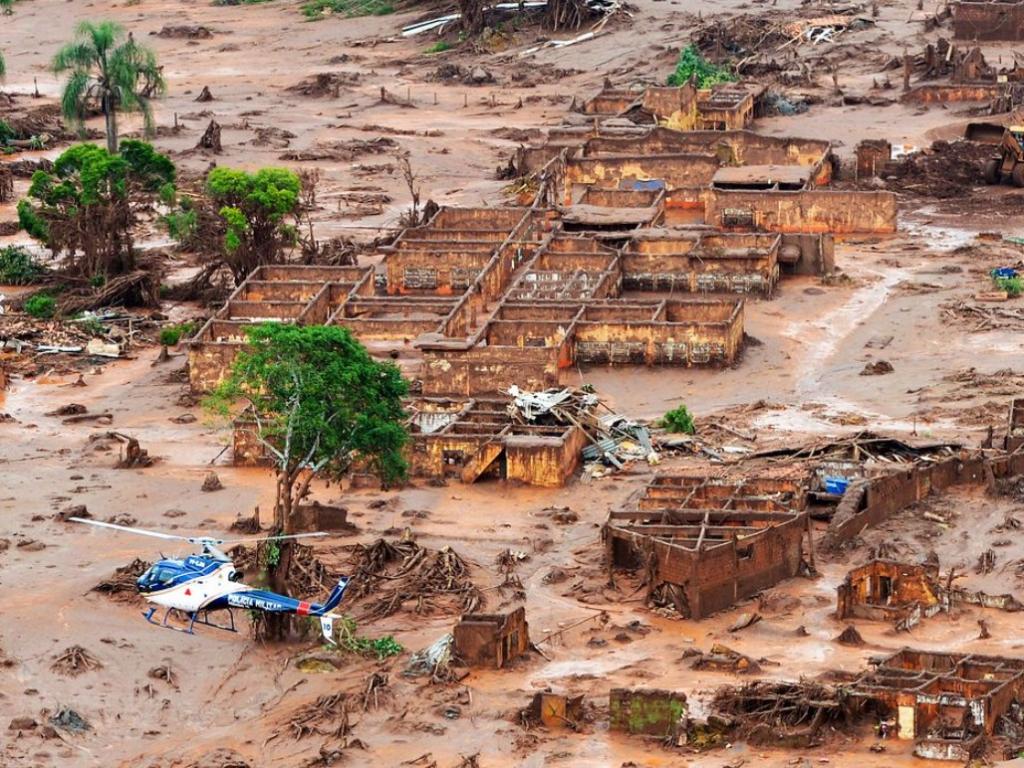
(897, 301)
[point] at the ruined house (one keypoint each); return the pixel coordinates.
(905, 593)
(706, 542)
(491, 639)
(989, 20)
(948, 703)
(466, 439)
(723, 107)
(886, 590)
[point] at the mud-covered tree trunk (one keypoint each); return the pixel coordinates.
(565, 14)
(472, 16)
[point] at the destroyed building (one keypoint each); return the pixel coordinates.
(491, 640)
(948, 703)
(990, 20)
(722, 107)
(490, 298)
(707, 542)
(905, 593)
(885, 590)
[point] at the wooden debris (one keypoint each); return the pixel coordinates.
(75, 661)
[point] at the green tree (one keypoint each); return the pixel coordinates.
(321, 404)
(107, 70)
(259, 211)
(87, 207)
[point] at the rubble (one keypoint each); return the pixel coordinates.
(122, 584)
(400, 575)
(75, 661)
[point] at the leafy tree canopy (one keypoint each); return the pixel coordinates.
(321, 403)
(84, 206)
(107, 70)
(254, 207)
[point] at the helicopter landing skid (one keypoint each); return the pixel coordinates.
(196, 617)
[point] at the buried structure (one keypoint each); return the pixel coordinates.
(704, 543)
(948, 703)
(905, 593)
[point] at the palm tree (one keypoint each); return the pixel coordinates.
(105, 69)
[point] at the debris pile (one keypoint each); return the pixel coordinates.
(400, 575)
(613, 439)
(324, 84)
(782, 713)
(121, 585)
(721, 658)
(75, 661)
(948, 169)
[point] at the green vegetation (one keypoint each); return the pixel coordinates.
(439, 47)
(323, 404)
(6, 9)
(17, 267)
(319, 9)
(106, 69)
(1014, 286)
(381, 648)
(172, 334)
(692, 65)
(42, 305)
(7, 133)
(85, 207)
(259, 210)
(90, 325)
(679, 420)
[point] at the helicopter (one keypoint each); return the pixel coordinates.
(198, 584)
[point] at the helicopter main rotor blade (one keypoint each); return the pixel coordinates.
(126, 529)
(268, 538)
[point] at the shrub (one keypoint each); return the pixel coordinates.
(41, 305)
(172, 334)
(692, 64)
(17, 267)
(439, 47)
(1014, 286)
(679, 420)
(7, 133)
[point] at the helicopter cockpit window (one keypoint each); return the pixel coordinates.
(157, 576)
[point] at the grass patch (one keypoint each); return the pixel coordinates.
(319, 9)
(171, 335)
(41, 306)
(692, 65)
(440, 47)
(1014, 286)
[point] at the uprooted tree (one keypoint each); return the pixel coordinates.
(87, 208)
(321, 405)
(109, 72)
(259, 212)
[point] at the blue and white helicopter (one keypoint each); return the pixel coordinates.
(208, 581)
